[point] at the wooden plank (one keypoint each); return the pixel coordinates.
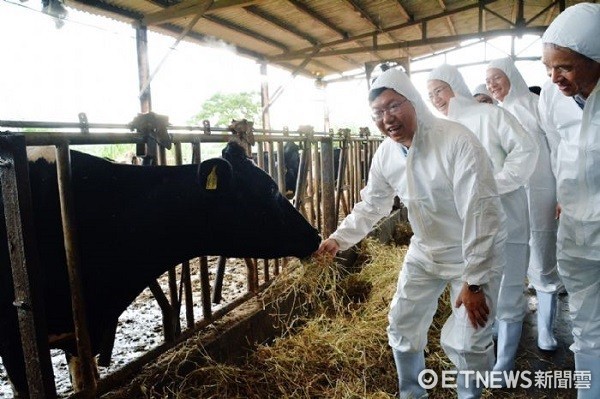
(26, 270)
(69, 225)
(191, 7)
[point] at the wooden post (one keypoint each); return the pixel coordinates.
(252, 276)
(341, 173)
(141, 37)
(218, 287)
(67, 207)
(280, 168)
(205, 287)
(26, 270)
(186, 278)
(316, 179)
(327, 186)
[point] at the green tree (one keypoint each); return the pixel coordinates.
(221, 108)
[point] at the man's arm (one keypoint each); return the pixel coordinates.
(377, 198)
(522, 152)
(545, 117)
(478, 204)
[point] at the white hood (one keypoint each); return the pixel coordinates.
(450, 74)
(481, 89)
(518, 87)
(577, 28)
(398, 81)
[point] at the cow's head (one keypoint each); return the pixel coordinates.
(255, 219)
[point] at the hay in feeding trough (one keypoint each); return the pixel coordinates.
(335, 348)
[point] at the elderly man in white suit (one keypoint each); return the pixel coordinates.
(570, 111)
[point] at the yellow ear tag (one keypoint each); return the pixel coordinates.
(211, 179)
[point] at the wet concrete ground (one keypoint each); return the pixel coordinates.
(553, 364)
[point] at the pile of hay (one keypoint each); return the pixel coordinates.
(336, 348)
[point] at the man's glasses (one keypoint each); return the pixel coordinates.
(392, 109)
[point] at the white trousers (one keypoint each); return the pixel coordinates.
(415, 302)
(582, 280)
(512, 303)
(541, 195)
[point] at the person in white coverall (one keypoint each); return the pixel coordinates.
(483, 95)
(570, 109)
(508, 87)
(443, 176)
(513, 153)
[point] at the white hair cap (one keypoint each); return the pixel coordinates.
(577, 28)
(450, 74)
(518, 86)
(481, 89)
(399, 82)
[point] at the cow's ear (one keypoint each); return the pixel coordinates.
(215, 176)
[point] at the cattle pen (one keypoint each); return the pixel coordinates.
(333, 168)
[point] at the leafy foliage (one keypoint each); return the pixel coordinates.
(221, 108)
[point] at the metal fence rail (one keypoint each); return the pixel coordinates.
(323, 195)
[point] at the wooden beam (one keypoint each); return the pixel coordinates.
(451, 26)
(266, 16)
(403, 11)
(550, 15)
(319, 18)
(245, 31)
(409, 18)
(549, 7)
(421, 42)
(255, 10)
(494, 13)
(272, 19)
(191, 7)
(364, 14)
(303, 52)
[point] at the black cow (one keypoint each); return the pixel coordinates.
(291, 158)
(134, 223)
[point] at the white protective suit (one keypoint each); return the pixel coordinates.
(446, 182)
(541, 191)
(577, 168)
(513, 152)
(482, 89)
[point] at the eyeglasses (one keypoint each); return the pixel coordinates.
(493, 79)
(436, 92)
(392, 109)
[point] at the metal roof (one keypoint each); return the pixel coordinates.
(320, 38)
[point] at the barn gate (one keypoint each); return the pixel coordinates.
(323, 194)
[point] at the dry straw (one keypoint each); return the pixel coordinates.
(336, 347)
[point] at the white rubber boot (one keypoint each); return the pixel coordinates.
(509, 335)
(408, 366)
(546, 314)
(585, 363)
